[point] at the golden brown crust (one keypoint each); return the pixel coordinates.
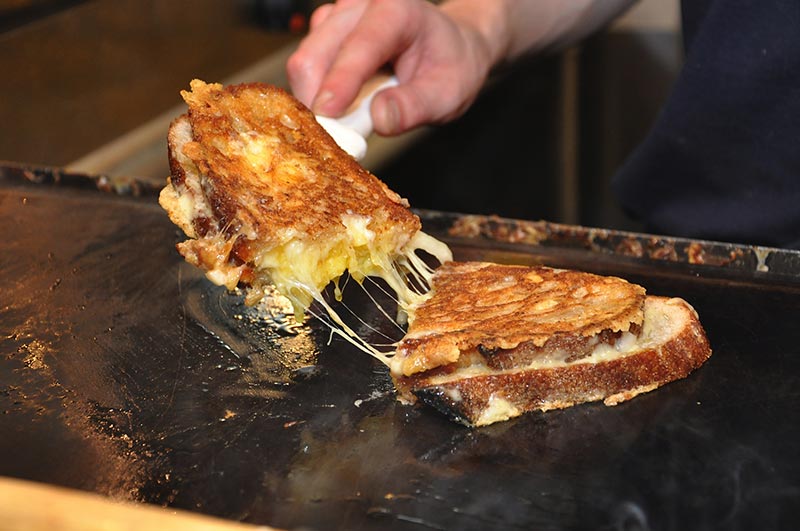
(253, 173)
(486, 307)
(271, 168)
(613, 380)
(179, 133)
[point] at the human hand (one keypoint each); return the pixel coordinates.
(440, 57)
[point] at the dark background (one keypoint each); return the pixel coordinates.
(541, 143)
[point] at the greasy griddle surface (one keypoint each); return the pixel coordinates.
(126, 373)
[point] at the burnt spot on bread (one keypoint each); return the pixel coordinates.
(442, 401)
(203, 225)
(487, 352)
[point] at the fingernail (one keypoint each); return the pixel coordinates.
(389, 117)
(321, 100)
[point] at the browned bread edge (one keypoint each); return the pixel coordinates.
(174, 143)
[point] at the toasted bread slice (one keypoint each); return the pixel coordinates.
(506, 314)
(267, 197)
(620, 352)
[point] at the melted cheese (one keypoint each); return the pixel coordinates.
(304, 273)
(497, 410)
(301, 270)
(626, 345)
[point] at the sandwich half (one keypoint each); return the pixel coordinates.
(266, 197)
(491, 342)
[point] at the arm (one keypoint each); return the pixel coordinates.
(440, 54)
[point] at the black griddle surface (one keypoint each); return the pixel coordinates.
(126, 373)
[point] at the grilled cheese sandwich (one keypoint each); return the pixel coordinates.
(269, 201)
(266, 197)
(490, 342)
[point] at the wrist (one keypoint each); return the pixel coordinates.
(488, 20)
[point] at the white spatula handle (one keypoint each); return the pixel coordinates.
(358, 116)
(351, 130)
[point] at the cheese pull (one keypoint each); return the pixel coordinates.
(268, 199)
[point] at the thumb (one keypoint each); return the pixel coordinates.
(418, 102)
(400, 109)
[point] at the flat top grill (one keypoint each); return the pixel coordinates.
(126, 373)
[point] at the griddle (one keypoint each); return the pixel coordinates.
(126, 373)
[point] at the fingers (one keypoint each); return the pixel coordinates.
(319, 15)
(440, 61)
(441, 74)
(307, 66)
(418, 102)
(387, 117)
(349, 42)
(383, 32)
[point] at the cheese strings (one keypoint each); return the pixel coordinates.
(409, 280)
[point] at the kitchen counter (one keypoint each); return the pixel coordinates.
(80, 77)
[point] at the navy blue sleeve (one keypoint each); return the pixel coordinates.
(722, 160)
